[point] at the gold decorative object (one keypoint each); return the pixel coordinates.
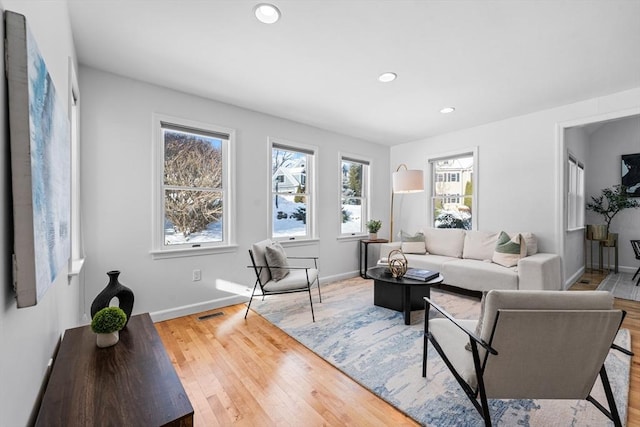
(397, 263)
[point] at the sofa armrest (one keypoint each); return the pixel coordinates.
(540, 272)
(385, 248)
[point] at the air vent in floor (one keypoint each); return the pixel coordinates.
(209, 316)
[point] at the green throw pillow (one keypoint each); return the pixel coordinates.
(509, 250)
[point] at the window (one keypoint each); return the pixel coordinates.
(354, 195)
(193, 185)
(77, 251)
(292, 191)
(452, 190)
(575, 194)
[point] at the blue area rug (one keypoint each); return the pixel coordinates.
(373, 346)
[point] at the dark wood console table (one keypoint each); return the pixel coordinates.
(130, 383)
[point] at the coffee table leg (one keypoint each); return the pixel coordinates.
(406, 304)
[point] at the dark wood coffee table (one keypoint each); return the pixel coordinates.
(401, 294)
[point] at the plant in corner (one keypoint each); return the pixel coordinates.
(611, 202)
(106, 324)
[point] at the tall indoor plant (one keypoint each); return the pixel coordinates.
(610, 203)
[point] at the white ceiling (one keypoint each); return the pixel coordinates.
(319, 64)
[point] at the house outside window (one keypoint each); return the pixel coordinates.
(193, 193)
(575, 194)
(453, 200)
(354, 195)
(292, 191)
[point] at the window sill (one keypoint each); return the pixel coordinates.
(189, 252)
(573, 230)
(75, 267)
(301, 242)
(353, 237)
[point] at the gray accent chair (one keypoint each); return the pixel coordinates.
(299, 279)
(530, 345)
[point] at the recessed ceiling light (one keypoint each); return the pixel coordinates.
(447, 110)
(387, 77)
(267, 13)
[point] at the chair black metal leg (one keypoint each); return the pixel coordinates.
(636, 273)
(251, 299)
(613, 409)
(313, 316)
(319, 294)
(425, 350)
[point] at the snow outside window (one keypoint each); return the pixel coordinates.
(193, 195)
(292, 192)
(354, 195)
(452, 191)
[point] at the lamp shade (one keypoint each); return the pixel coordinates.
(408, 181)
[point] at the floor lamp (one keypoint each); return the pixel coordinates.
(405, 181)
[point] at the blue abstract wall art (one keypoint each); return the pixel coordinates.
(40, 161)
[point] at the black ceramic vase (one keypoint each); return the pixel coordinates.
(114, 289)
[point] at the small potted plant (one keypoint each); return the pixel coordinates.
(106, 324)
(373, 225)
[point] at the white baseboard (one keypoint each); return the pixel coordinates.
(187, 310)
(573, 279)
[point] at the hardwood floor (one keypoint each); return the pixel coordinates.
(249, 373)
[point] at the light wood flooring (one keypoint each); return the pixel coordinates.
(250, 373)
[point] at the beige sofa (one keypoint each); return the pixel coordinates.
(464, 258)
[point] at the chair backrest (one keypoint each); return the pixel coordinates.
(259, 259)
(635, 244)
(551, 344)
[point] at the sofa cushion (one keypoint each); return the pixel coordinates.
(479, 275)
(530, 239)
(428, 262)
(413, 244)
(479, 245)
(509, 250)
(445, 241)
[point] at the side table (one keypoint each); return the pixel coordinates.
(363, 260)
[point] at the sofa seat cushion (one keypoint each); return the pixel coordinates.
(479, 275)
(428, 262)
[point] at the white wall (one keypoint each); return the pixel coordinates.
(519, 186)
(606, 145)
(28, 336)
(116, 166)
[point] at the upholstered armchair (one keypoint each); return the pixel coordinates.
(529, 345)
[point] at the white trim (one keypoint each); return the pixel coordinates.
(186, 310)
(312, 175)
(228, 244)
(366, 183)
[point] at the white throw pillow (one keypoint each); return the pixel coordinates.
(509, 250)
(276, 257)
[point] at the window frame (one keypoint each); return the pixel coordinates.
(310, 188)
(77, 255)
(365, 197)
(575, 193)
(432, 181)
(159, 249)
